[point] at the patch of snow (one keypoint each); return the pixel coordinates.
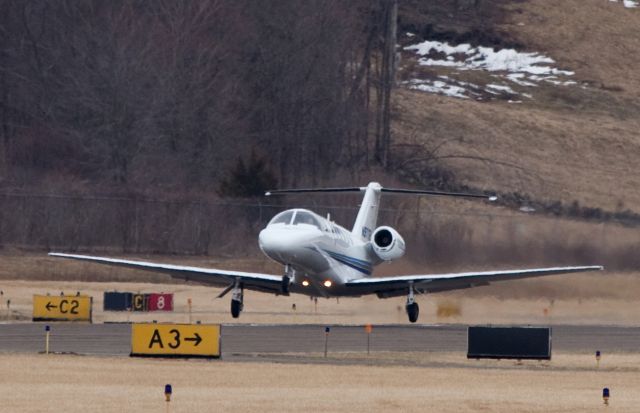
(502, 88)
(425, 47)
(630, 4)
(518, 68)
(509, 60)
(439, 87)
(449, 63)
(409, 34)
(517, 79)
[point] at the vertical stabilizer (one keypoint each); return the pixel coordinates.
(368, 213)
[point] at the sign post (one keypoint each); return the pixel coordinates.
(189, 308)
(175, 340)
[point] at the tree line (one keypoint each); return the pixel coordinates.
(144, 94)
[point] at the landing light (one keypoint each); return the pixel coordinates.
(327, 283)
(305, 283)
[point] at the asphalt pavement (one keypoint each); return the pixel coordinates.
(242, 339)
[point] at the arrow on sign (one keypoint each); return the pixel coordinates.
(49, 306)
(196, 338)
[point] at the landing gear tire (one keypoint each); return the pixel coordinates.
(236, 308)
(413, 310)
(286, 281)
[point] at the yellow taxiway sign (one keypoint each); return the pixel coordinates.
(175, 340)
(62, 308)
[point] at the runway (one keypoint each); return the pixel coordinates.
(244, 339)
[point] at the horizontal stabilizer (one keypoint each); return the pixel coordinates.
(438, 193)
(307, 190)
(382, 189)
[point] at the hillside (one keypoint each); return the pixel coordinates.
(568, 142)
(134, 124)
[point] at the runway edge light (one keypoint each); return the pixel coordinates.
(167, 392)
(605, 395)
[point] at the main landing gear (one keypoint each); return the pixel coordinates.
(413, 310)
(288, 278)
(236, 299)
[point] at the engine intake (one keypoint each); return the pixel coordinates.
(387, 243)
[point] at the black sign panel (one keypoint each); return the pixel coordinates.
(115, 301)
(509, 343)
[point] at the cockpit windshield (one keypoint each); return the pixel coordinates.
(282, 218)
(304, 217)
(296, 217)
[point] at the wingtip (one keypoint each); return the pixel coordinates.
(493, 198)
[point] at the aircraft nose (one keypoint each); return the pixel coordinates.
(280, 243)
(273, 242)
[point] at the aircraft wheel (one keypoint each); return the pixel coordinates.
(236, 308)
(412, 311)
(286, 281)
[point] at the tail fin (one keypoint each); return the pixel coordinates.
(368, 213)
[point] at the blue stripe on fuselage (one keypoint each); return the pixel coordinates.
(360, 265)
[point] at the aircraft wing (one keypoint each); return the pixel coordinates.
(209, 276)
(398, 285)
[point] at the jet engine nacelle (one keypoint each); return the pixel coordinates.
(387, 243)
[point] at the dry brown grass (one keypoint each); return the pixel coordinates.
(590, 298)
(598, 39)
(568, 300)
(570, 143)
(570, 383)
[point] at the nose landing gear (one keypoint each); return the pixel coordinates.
(413, 310)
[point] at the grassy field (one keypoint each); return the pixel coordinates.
(589, 298)
(570, 300)
(569, 383)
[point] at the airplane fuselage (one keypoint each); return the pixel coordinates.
(321, 255)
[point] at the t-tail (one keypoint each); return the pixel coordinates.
(368, 214)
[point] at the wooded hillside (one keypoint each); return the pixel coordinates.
(153, 126)
(146, 95)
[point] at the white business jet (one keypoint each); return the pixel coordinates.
(323, 259)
